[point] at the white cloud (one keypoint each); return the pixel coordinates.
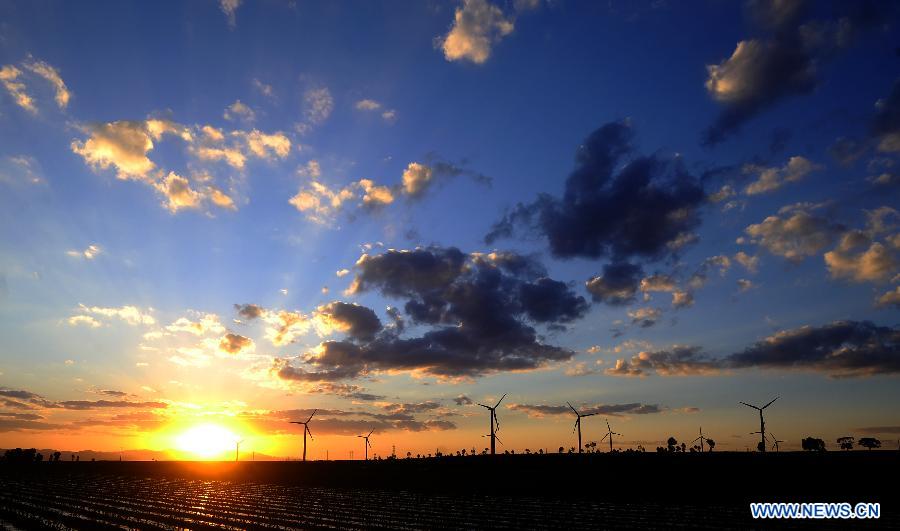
(874, 264)
(52, 75)
(89, 253)
(416, 178)
(130, 314)
(85, 320)
(239, 111)
(771, 179)
(9, 77)
(794, 234)
(477, 25)
(229, 7)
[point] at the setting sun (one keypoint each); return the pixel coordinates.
(206, 441)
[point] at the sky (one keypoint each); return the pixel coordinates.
(217, 217)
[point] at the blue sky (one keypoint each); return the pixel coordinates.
(166, 162)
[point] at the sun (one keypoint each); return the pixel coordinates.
(206, 441)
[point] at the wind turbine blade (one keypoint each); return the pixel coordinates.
(695, 440)
(371, 432)
(309, 432)
(605, 436)
(572, 408)
(589, 414)
(482, 405)
(770, 403)
(501, 399)
(749, 405)
(607, 425)
(311, 416)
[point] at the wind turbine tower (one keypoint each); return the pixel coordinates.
(762, 422)
(578, 417)
(305, 431)
(609, 434)
(368, 444)
(701, 438)
(237, 450)
(495, 424)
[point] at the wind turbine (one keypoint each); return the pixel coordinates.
(494, 422)
(305, 431)
(762, 423)
(609, 434)
(237, 449)
(578, 423)
(775, 441)
(701, 438)
(368, 444)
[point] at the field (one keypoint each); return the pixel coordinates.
(512, 492)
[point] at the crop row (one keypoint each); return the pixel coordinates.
(113, 502)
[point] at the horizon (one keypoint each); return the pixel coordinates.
(220, 217)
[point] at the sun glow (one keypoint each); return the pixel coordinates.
(207, 441)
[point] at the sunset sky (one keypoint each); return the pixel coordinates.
(227, 214)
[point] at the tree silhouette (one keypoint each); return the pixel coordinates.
(870, 442)
(846, 443)
(711, 443)
(812, 444)
(672, 443)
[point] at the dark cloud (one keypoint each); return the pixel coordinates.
(353, 392)
(339, 422)
(111, 392)
(104, 404)
(409, 408)
(764, 71)
(644, 209)
(617, 285)
(358, 322)
(7, 425)
(249, 311)
(678, 361)
(886, 122)
(479, 309)
(234, 343)
(21, 416)
(612, 410)
(840, 349)
(463, 400)
(846, 150)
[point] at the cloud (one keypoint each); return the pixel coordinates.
(123, 145)
(416, 178)
(762, 72)
(463, 400)
(750, 263)
(647, 209)
(677, 361)
(645, 317)
(477, 26)
(89, 253)
(889, 298)
(886, 122)
(82, 405)
(9, 77)
(367, 105)
(611, 410)
(771, 179)
(178, 193)
(339, 422)
(840, 349)
(874, 264)
(263, 88)
(235, 344)
(206, 324)
(617, 285)
(744, 285)
(478, 310)
(358, 322)
(85, 320)
(249, 311)
(239, 111)
(20, 170)
(230, 7)
(51, 74)
(130, 314)
(879, 430)
(265, 146)
(317, 106)
(794, 233)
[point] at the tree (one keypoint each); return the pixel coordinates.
(812, 444)
(870, 442)
(672, 443)
(760, 447)
(562, 450)
(846, 443)
(711, 443)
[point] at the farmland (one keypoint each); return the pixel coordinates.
(552, 492)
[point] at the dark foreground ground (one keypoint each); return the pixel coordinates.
(628, 491)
